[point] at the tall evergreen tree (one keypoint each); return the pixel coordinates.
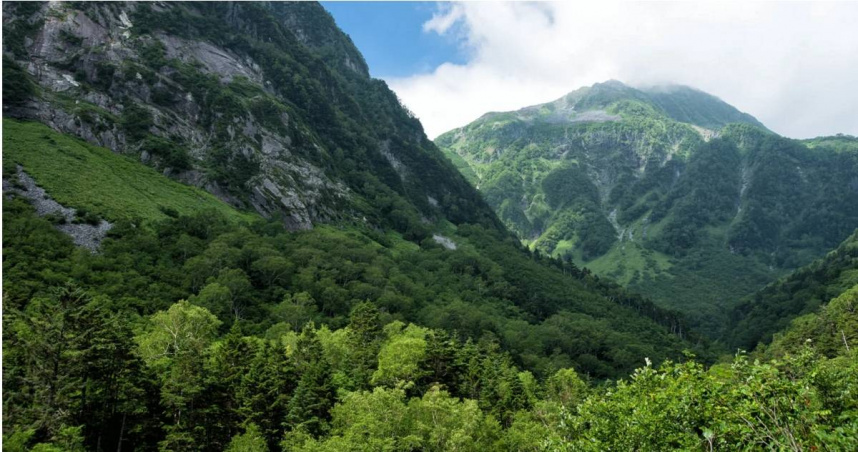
(309, 407)
(47, 367)
(365, 339)
(265, 390)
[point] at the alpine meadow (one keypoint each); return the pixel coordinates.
(223, 230)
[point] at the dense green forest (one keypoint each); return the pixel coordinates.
(220, 233)
(240, 272)
(669, 191)
(84, 372)
(87, 369)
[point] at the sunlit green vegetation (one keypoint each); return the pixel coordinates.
(170, 380)
(83, 176)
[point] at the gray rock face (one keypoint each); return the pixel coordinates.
(594, 116)
(222, 62)
(83, 235)
(397, 165)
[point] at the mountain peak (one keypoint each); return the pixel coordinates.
(601, 101)
(679, 102)
(612, 83)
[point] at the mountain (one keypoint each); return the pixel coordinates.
(267, 106)
(668, 190)
(220, 234)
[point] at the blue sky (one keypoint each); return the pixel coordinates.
(390, 35)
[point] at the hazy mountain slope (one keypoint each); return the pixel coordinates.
(685, 104)
(803, 292)
(610, 177)
(268, 106)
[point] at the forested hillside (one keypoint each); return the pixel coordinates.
(475, 282)
(225, 370)
(804, 292)
(670, 191)
(65, 305)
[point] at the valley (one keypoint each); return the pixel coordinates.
(221, 233)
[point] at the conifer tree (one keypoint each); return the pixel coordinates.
(309, 407)
(364, 339)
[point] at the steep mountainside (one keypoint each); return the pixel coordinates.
(802, 293)
(669, 190)
(269, 106)
(832, 330)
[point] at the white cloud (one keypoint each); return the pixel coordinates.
(792, 65)
(444, 18)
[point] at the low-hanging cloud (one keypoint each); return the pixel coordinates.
(792, 65)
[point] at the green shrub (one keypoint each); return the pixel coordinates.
(174, 155)
(84, 216)
(136, 121)
(18, 86)
(56, 218)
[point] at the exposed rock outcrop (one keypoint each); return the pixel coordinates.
(85, 235)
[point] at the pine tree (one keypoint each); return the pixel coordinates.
(514, 399)
(115, 381)
(440, 362)
(364, 339)
(224, 372)
(48, 366)
(309, 406)
(265, 391)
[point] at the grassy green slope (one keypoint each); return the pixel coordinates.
(115, 187)
(836, 143)
(689, 105)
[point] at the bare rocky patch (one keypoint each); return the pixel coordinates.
(85, 235)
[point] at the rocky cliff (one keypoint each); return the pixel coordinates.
(266, 105)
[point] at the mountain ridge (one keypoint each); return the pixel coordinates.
(610, 179)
